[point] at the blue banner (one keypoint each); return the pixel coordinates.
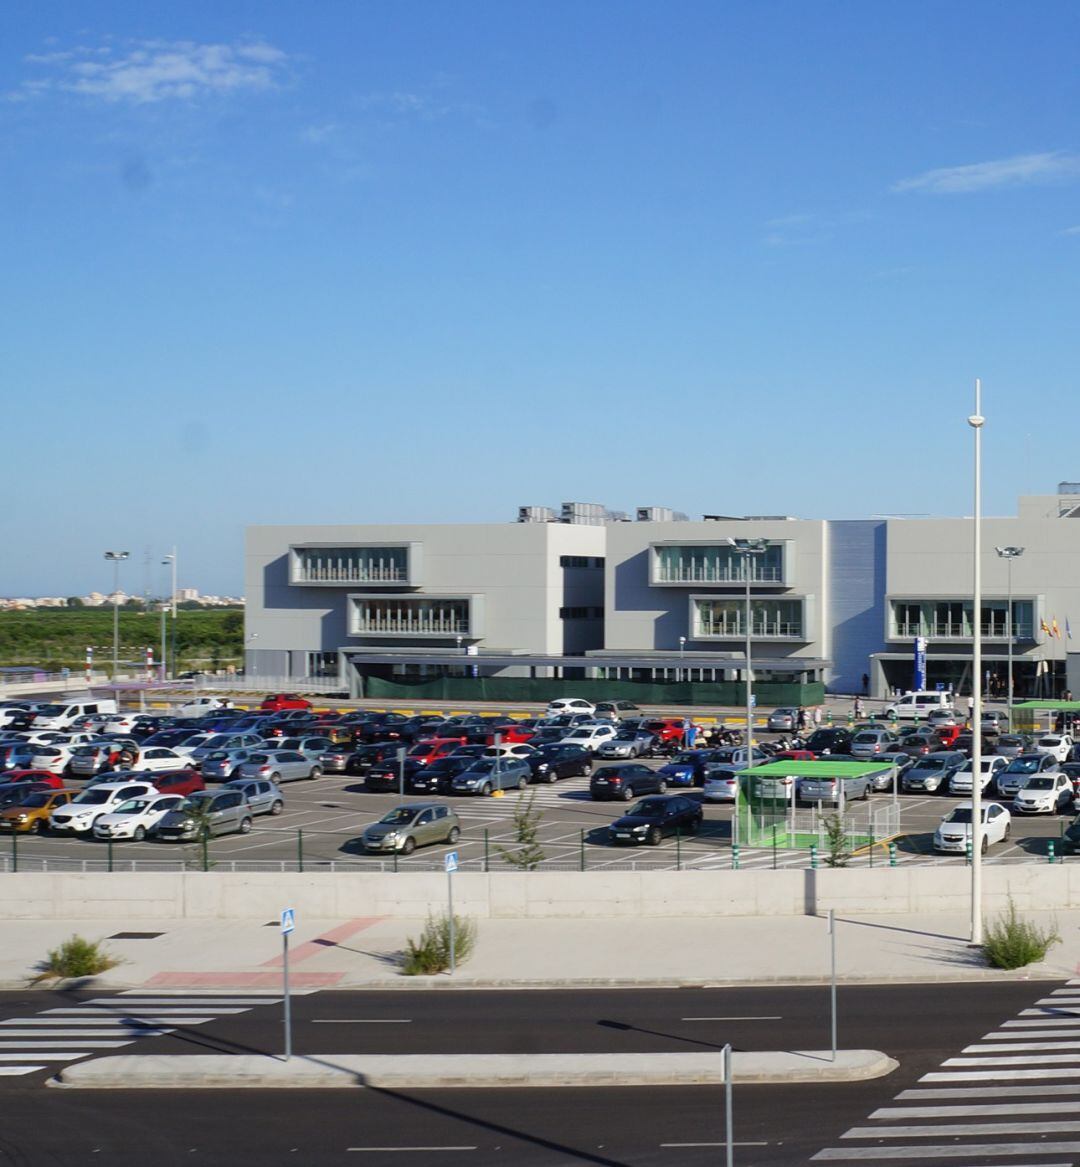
(920, 663)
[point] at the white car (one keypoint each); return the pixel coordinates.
(53, 757)
(954, 832)
(961, 781)
(570, 705)
(155, 758)
(189, 745)
(80, 814)
(116, 722)
(589, 736)
(1057, 745)
(199, 707)
(1045, 794)
(513, 750)
(720, 785)
(136, 818)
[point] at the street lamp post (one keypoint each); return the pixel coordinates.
(746, 549)
(116, 558)
(1009, 554)
(682, 652)
(976, 421)
(173, 559)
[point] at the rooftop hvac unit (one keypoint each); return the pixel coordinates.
(659, 515)
(617, 517)
(591, 513)
(536, 515)
(1068, 488)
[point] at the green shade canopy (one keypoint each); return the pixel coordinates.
(1049, 706)
(820, 769)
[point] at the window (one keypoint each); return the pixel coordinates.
(581, 613)
(726, 619)
(717, 564)
(589, 561)
(415, 615)
(351, 565)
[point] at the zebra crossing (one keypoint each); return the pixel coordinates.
(1013, 1098)
(66, 1033)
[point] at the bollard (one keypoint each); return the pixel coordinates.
(734, 856)
(774, 847)
(892, 854)
(678, 849)
(871, 846)
(813, 856)
(109, 844)
(1050, 849)
(205, 847)
(14, 849)
(394, 853)
(582, 862)
(487, 855)
(300, 848)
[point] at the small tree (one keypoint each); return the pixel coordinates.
(528, 855)
(837, 853)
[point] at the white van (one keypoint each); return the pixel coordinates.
(64, 714)
(919, 704)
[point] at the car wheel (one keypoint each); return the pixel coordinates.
(453, 835)
(485, 790)
(40, 827)
(245, 826)
(662, 786)
(552, 776)
(277, 807)
(275, 777)
(627, 793)
(653, 837)
(522, 783)
(1008, 832)
(692, 826)
(139, 833)
(586, 769)
(316, 772)
(409, 846)
(985, 845)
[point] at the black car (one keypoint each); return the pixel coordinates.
(364, 757)
(1070, 840)
(12, 793)
(381, 727)
(550, 763)
(653, 818)
(415, 727)
(625, 781)
(435, 777)
(830, 741)
(169, 737)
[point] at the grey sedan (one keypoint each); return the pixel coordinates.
(279, 766)
(222, 765)
(783, 720)
(931, 774)
(487, 775)
(262, 795)
(407, 827)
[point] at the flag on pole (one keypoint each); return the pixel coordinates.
(1055, 629)
(1068, 630)
(1044, 627)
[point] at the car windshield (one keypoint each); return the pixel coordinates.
(866, 737)
(1023, 765)
(132, 806)
(932, 764)
(687, 756)
(197, 802)
(399, 816)
(1050, 741)
(51, 710)
(92, 797)
(649, 808)
(483, 765)
(962, 814)
(259, 759)
(36, 800)
(1039, 782)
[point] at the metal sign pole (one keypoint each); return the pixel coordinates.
(450, 905)
(288, 923)
(832, 985)
(401, 771)
(729, 1132)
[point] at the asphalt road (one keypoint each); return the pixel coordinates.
(920, 1025)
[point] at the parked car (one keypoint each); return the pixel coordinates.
(571, 705)
(223, 765)
(945, 715)
(216, 812)
(590, 736)
(994, 721)
(54, 758)
(654, 818)
(1012, 745)
(311, 746)
(436, 777)
(931, 775)
(12, 793)
(783, 720)
(687, 768)
(918, 704)
(36, 778)
(181, 782)
(197, 707)
(356, 761)
(31, 814)
(1057, 745)
(1073, 771)
(666, 730)
(883, 780)
(962, 781)
(631, 740)
(416, 825)
(136, 818)
(562, 760)
(738, 756)
(614, 710)
(833, 789)
(834, 740)
(869, 743)
(721, 784)
(486, 775)
(1020, 769)
(279, 766)
(1045, 794)
(226, 741)
(263, 796)
(79, 815)
(625, 782)
(279, 701)
(954, 832)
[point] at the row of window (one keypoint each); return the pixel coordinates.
(718, 564)
(581, 613)
(581, 561)
(954, 619)
(726, 619)
(351, 565)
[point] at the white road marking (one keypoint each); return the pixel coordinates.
(139, 1011)
(1029, 1035)
(936, 1130)
(1051, 1011)
(734, 1144)
(949, 1151)
(112, 1023)
(12, 1071)
(989, 1092)
(998, 1075)
(1046, 1060)
(732, 1019)
(379, 1149)
(128, 1003)
(361, 1020)
(66, 1044)
(1009, 1047)
(973, 1111)
(1042, 1020)
(255, 996)
(66, 1056)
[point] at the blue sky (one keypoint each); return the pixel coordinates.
(401, 261)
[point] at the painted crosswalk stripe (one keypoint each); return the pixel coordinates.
(1051, 1011)
(989, 1047)
(256, 996)
(997, 1075)
(1033, 1023)
(1030, 1034)
(937, 1130)
(135, 1025)
(79, 1035)
(172, 1002)
(975, 1111)
(67, 1043)
(1044, 1060)
(12, 1071)
(987, 1092)
(138, 1011)
(976, 1152)
(66, 1056)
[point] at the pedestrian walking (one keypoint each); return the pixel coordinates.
(857, 708)
(817, 716)
(971, 710)
(802, 719)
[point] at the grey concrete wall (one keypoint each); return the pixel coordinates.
(856, 613)
(533, 895)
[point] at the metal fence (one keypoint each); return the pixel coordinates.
(331, 686)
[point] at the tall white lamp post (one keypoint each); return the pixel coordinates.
(116, 558)
(976, 421)
(1009, 554)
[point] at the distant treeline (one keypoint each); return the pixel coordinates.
(58, 637)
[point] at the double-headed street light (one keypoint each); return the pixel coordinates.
(1009, 554)
(174, 560)
(746, 549)
(116, 558)
(976, 421)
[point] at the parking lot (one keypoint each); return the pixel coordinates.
(323, 819)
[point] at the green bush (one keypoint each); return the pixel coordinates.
(837, 853)
(78, 957)
(528, 855)
(1013, 943)
(431, 953)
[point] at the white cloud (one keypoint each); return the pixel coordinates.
(1071, 231)
(147, 71)
(1021, 170)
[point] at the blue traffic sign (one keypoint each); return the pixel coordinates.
(288, 921)
(451, 861)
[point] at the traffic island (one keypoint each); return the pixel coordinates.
(466, 1071)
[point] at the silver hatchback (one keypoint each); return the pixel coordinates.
(279, 766)
(262, 795)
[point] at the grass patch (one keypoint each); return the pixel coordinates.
(77, 957)
(431, 953)
(1012, 942)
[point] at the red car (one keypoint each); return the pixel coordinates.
(510, 733)
(666, 729)
(276, 702)
(182, 782)
(41, 778)
(433, 748)
(794, 756)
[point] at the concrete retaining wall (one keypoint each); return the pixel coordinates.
(532, 895)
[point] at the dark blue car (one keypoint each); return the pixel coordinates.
(687, 769)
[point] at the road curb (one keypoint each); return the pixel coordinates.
(466, 1071)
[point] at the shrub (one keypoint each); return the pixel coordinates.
(837, 853)
(431, 953)
(78, 957)
(528, 855)
(1012, 942)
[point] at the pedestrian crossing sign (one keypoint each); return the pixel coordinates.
(451, 861)
(288, 921)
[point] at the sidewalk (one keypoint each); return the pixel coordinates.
(361, 953)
